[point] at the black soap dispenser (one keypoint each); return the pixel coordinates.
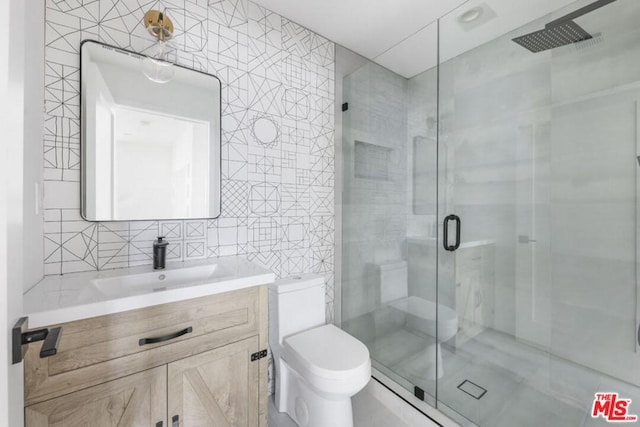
(159, 253)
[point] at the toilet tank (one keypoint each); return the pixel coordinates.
(393, 281)
(296, 304)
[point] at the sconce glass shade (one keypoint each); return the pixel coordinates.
(158, 65)
(160, 32)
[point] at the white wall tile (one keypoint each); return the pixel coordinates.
(277, 138)
(61, 195)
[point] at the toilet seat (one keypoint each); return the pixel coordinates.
(332, 360)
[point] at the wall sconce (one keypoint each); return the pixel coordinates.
(158, 66)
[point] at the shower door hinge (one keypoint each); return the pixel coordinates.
(258, 355)
(345, 106)
(419, 393)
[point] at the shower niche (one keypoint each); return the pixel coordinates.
(372, 161)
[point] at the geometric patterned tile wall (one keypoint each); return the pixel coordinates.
(277, 138)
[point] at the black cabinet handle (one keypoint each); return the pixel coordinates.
(159, 424)
(175, 335)
(21, 336)
(445, 238)
(51, 341)
(175, 421)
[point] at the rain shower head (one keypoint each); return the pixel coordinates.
(560, 35)
(561, 32)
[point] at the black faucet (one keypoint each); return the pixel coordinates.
(159, 253)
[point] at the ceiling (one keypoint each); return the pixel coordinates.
(402, 35)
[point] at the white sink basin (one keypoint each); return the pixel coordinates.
(158, 280)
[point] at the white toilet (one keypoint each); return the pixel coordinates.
(419, 313)
(318, 367)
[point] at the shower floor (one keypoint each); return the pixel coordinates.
(524, 386)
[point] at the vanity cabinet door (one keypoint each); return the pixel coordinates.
(135, 400)
(217, 388)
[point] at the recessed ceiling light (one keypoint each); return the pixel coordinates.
(470, 15)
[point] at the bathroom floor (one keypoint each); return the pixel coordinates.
(374, 406)
(524, 385)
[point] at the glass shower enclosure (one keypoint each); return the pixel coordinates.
(489, 236)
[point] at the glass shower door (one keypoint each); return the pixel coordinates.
(538, 158)
(493, 122)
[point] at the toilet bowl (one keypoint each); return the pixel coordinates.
(318, 367)
(428, 318)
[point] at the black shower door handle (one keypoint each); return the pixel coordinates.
(445, 239)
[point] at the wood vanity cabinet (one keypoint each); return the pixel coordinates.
(104, 373)
(474, 293)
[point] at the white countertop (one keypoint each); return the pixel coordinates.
(60, 299)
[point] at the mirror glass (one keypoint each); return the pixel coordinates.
(149, 150)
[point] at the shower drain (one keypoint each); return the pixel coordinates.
(472, 389)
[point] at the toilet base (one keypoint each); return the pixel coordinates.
(307, 407)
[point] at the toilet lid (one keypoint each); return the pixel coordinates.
(328, 351)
